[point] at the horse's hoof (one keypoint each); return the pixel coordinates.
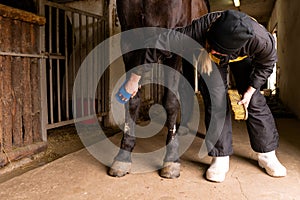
(119, 169)
(170, 170)
(183, 130)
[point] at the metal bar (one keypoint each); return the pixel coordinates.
(51, 91)
(58, 67)
(107, 78)
(100, 59)
(57, 30)
(74, 10)
(56, 57)
(22, 55)
(88, 67)
(50, 66)
(96, 39)
(93, 31)
(103, 75)
(80, 56)
(26, 55)
(72, 121)
(94, 64)
(99, 62)
(66, 66)
(43, 76)
(74, 68)
(79, 53)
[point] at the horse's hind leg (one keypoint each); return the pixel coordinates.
(171, 166)
(122, 162)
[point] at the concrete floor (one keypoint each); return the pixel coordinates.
(80, 176)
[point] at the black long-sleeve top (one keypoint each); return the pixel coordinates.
(260, 48)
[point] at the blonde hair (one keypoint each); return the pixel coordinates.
(204, 62)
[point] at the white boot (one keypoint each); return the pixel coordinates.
(218, 169)
(272, 165)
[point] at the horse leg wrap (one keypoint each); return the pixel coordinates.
(123, 156)
(183, 130)
(172, 154)
(171, 166)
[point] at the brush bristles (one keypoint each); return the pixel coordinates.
(239, 111)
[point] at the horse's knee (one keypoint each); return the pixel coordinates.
(171, 105)
(134, 105)
(134, 102)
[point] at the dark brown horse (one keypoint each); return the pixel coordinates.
(153, 13)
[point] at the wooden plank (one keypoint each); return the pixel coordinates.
(7, 105)
(22, 152)
(13, 13)
(35, 87)
(16, 69)
(7, 89)
(6, 33)
(27, 101)
(36, 98)
(27, 105)
(17, 96)
(1, 93)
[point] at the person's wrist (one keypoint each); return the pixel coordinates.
(134, 77)
(251, 90)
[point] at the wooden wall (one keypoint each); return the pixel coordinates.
(20, 129)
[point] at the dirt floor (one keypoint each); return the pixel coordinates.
(61, 142)
(80, 175)
(67, 170)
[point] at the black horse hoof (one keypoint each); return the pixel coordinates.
(119, 169)
(170, 170)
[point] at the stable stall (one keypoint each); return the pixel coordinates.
(20, 105)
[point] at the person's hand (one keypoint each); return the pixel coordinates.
(132, 85)
(247, 97)
(128, 89)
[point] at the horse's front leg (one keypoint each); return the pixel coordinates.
(122, 162)
(171, 166)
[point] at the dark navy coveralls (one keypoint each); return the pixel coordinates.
(251, 71)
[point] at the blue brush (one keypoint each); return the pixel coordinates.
(121, 94)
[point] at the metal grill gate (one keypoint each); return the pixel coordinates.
(67, 38)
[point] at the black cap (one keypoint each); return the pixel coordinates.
(230, 32)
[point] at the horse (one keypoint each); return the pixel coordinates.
(152, 13)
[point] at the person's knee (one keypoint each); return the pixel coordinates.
(257, 101)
